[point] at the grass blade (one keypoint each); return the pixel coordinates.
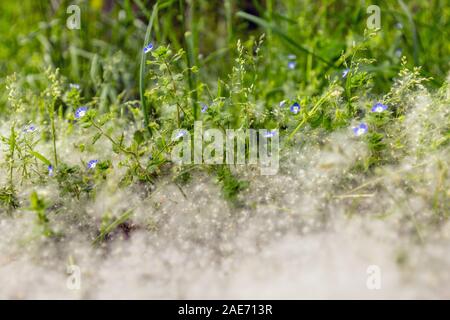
(145, 106)
(39, 156)
(113, 225)
(415, 37)
(269, 26)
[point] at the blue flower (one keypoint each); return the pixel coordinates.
(204, 107)
(282, 103)
(74, 86)
(398, 53)
(292, 56)
(92, 164)
(29, 129)
(345, 73)
(148, 48)
(399, 25)
(180, 134)
(291, 65)
(50, 170)
(295, 108)
(81, 112)
(361, 129)
(379, 107)
(270, 134)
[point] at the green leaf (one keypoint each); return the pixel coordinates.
(97, 136)
(40, 157)
(36, 203)
(138, 136)
(116, 148)
(107, 229)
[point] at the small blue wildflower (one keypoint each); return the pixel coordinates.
(291, 65)
(92, 164)
(361, 129)
(398, 53)
(148, 48)
(50, 170)
(81, 112)
(282, 103)
(74, 86)
(295, 108)
(345, 73)
(29, 129)
(379, 107)
(180, 134)
(270, 134)
(204, 107)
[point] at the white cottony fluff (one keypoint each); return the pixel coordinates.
(311, 231)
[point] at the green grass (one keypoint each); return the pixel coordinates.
(232, 58)
(101, 191)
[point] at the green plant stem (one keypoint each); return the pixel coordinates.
(229, 20)
(12, 148)
(308, 115)
(269, 26)
(175, 90)
(135, 156)
(113, 225)
(52, 120)
(145, 107)
(192, 79)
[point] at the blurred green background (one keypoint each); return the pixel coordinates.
(104, 54)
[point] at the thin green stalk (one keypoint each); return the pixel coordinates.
(189, 48)
(229, 20)
(192, 78)
(135, 156)
(175, 90)
(52, 120)
(112, 226)
(270, 26)
(308, 115)
(142, 7)
(146, 108)
(269, 6)
(12, 148)
(413, 31)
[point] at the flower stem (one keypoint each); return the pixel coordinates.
(52, 119)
